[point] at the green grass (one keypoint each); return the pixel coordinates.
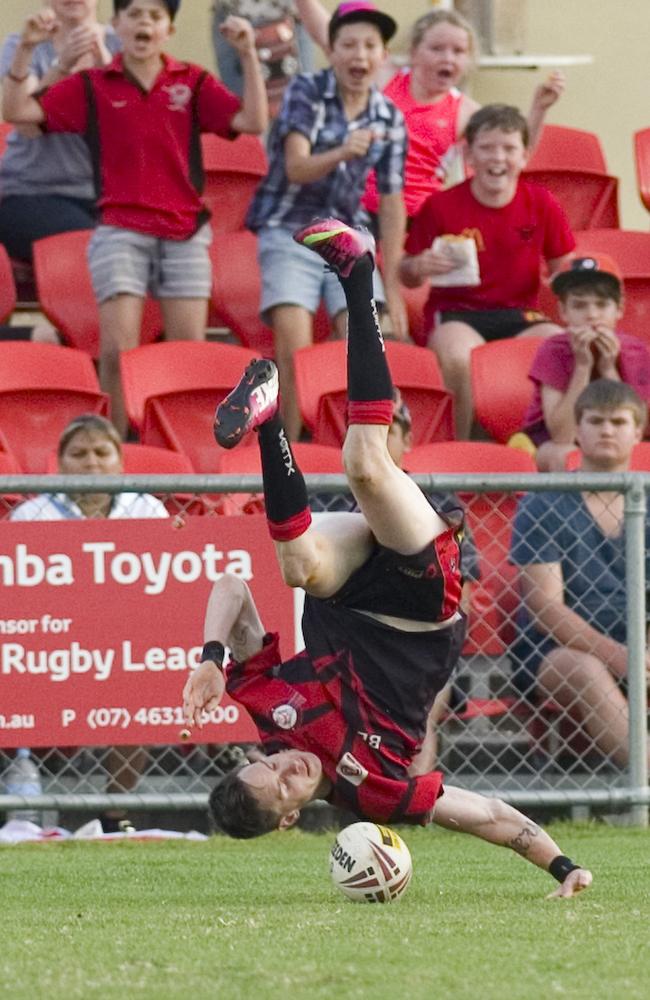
(259, 921)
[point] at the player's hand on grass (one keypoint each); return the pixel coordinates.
(575, 882)
(203, 692)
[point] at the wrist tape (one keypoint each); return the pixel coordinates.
(560, 867)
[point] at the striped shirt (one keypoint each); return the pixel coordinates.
(312, 107)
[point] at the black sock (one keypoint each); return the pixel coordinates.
(369, 376)
(285, 493)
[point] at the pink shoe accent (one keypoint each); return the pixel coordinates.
(340, 246)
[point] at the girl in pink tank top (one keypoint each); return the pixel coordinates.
(443, 48)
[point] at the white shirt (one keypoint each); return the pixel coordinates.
(59, 507)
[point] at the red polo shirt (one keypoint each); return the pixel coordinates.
(145, 145)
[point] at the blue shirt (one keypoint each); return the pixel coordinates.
(558, 528)
(313, 108)
(46, 164)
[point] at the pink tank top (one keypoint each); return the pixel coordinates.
(431, 129)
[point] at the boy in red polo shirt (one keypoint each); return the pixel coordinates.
(511, 226)
(141, 117)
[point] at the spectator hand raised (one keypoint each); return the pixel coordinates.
(239, 33)
(38, 28)
(547, 93)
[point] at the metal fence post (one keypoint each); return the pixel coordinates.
(635, 510)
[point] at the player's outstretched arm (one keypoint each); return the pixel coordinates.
(501, 824)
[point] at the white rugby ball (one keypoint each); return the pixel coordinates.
(370, 863)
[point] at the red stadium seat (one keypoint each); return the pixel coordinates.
(589, 198)
(232, 171)
(7, 286)
(501, 388)
(237, 290)
(42, 387)
(562, 147)
(171, 391)
(66, 296)
(631, 251)
(321, 385)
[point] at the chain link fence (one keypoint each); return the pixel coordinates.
(497, 736)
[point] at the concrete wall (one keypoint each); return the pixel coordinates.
(606, 97)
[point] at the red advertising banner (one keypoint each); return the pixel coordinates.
(101, 621)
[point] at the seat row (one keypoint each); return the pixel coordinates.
(171, 389)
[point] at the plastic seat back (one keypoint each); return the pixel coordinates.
(175, 366)
(237, 292)
(562, 147)
(42, 388)
(631, 251)
(232, 172)
(171, 391)
(7, 286)
(321, 386)
(589, 198)
(66, 295)
(501, 388)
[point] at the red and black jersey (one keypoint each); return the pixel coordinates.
(358, 697)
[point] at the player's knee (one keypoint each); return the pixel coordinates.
(365, 462)
(297, 570)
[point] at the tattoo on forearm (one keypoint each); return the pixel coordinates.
(522, 842)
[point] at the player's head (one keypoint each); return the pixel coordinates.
(399, 432)
(610, 419)
(589, 291)
(170, 6)
(266, 795)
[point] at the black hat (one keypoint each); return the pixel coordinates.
(581, 270)
(353, 11)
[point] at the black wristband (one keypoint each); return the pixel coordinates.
(214, 652)
(560, 867)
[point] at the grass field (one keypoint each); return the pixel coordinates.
(259, 921)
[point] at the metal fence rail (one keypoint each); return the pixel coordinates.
(528, 752)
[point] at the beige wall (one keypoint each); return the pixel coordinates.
(610, 97)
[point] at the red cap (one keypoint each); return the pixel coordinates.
(581, 270)
(352, 11)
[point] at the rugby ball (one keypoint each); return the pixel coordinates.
(370, 863)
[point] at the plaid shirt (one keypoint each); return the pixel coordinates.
(313, 108)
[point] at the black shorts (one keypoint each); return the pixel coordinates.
(400, 672)
(494, 324)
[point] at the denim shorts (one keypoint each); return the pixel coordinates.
(293, 275)
(125, 262)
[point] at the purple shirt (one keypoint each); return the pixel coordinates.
(553, 365)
